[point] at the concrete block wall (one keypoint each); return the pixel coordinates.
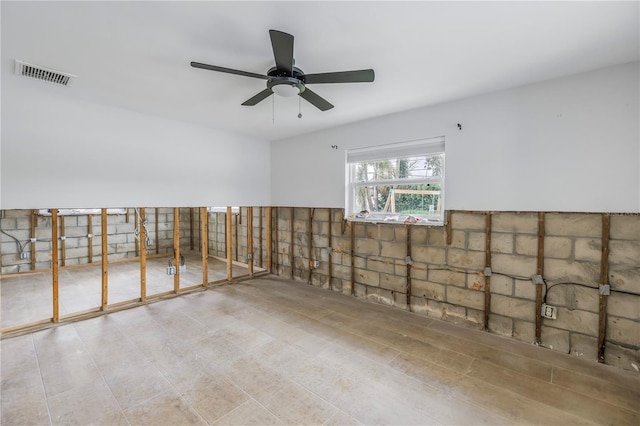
(447, 280)
(239, 221)
(121, 238)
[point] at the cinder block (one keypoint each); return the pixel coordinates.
(419, 271)
(501, 325)
(465, 297)
(437, 236)
(383, 232)
(447, 277)
(584, 346)
(379, 295)
(622, 357)
(568, 271)
(358, 229)
(557, 247)
(512, 307)
(360, 291)
(318, 214)
(419, 235)
(400, 233)
(573, 224)
(428, 290)
(393, 282)
(527, 245)
(379, 264)
(431, 255)
(523, 266)
(501, 243)
(477, 241)
(363, 276)
(624, 252)
(623, 305)
(476, 281)
(519, 223)
(623, 331)
(524, 290)
(393, 249)
(475, 318)
(576, 321)
(463, 220)
(587, 249)
(465, 259)
(367, 247)
(555, 339)
(625, 227)
(524, 331)
(574, 297)
(458, 239)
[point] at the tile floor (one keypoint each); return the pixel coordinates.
(273, 351)
(27, 298)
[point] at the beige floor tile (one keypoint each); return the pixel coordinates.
(90, 404)
(212, 395)
(295, 405)
(168, 409)
(250, 413)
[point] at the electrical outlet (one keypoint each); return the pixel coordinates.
(171, 270)
(316, 264)
(549, 312)
(25, 255)
(149, 243)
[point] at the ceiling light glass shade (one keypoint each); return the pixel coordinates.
(285, 90)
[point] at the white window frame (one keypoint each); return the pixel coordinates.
(431, 146)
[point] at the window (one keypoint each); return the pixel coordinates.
(401, 182)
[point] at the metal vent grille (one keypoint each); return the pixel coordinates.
(43, 73)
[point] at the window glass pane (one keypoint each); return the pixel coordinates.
(418, 167)
(417, 199)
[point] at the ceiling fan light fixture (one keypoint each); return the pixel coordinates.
(286, 90)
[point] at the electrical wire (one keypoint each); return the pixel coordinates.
(21, 247)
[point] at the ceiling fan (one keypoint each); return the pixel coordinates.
(285, 79)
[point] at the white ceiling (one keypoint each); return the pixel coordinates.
(136, 55)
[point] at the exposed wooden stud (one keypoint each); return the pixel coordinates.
(63, 245)
(276, 240)
(250, 240)
(143, 256)
(408, 288)
(235, 233)
(540, 271)
(54, 263)
(269, 237)
(137, 240)
(126, 216)
(330, 260)
(310, 245)
(604, 281)
(291, 259)
(448, 225)
(191, 236)
(487, 278)
(260, 238)
(90, 237)
(204, 245)
(353, 258)
(176, 249)
(34, 225)
(157, 241)
(229, 246)
(105, 261)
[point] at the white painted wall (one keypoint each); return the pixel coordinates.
(569, 144)
(58, 151)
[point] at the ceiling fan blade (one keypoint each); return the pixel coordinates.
(282, 44)
(228, 70)
(358, 76)
(315, 100)
(257, 98)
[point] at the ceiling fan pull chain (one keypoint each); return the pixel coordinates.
(299, 107)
